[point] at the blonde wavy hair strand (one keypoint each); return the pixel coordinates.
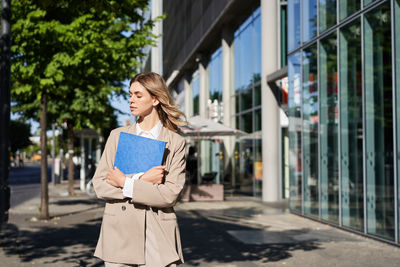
(168, 112)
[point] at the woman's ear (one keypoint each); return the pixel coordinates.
(155, 101)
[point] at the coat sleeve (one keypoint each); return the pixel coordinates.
(164, 195)
(103, 189)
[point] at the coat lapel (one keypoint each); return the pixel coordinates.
(164, 136)
(132, 128)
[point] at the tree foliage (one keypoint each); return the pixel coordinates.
(79, 53)
(19, 137)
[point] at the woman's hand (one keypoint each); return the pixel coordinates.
(116, 178)
(155, 175)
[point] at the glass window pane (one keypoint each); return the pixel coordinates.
(366, 2)
(256, 49)
(295, 151)
(246, 122)
(310, 130)
(215, 85)
(196, 93)
(257, 167)
(397, 48)
(237, 102)
(348, 7)
(293, 24)
(327, 14)
(379, 122)
(257, 118)
(283, 36)
(329, 129)
(237, 63)
(246, 64)
(351, 127)
(257, 95)
(246, 99)
(309, 23)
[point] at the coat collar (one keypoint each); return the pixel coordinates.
(163, 136)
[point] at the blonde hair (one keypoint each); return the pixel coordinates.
(167, 111)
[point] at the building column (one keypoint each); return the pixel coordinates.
(156, 51)
(228, 103)
(270, 107)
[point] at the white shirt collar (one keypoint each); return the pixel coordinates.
(154, 132)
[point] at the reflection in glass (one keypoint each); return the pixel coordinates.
(366, 2)
(246, 122)
(379, 122)
(257, 95)
(246, 167)
(327, 14)
(247, 52)
(295, 151)
(246, 100)
(309, 23)
(329, 129)
(348, 7)
(351, 127)
(215, 74)
(196, 93)
(215, 83)
(257, 168)
(310, 130)
(256, 51)
(257, 120)
(283, 30)
(293, 24)
(397, 57)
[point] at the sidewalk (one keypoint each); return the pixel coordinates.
(236, 232)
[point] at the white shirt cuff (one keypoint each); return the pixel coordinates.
(127, 190)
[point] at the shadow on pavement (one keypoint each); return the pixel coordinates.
(206, 242)
(53, 244)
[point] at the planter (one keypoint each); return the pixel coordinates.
(203, 192)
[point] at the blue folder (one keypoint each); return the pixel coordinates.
(138, 154)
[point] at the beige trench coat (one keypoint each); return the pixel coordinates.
(122, 234)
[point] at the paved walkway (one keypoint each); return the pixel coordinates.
(236, 232)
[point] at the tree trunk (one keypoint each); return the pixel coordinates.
(44, 199)
(71, 165)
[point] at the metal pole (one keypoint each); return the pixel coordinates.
(53, 153)
(5, 45)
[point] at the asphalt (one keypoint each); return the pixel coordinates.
(236, 232)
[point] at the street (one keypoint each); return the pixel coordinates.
(236, 232)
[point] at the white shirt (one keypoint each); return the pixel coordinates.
(127, 190)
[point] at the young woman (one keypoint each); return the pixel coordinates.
(139, 225)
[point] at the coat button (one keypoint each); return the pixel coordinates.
(123, 208)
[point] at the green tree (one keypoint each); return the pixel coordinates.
(68, 58)
(19, 138)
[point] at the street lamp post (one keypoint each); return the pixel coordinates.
(5, 62)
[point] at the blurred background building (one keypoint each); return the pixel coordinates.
(314, 83)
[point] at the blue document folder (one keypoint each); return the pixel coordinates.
(138, 154)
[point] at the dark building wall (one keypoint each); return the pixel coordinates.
(194, 26)
(185, 24)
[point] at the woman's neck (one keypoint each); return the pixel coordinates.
(149, 121)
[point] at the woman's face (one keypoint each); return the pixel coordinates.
(141, 102)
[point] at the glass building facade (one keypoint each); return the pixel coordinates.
(344, 116)
(247, 98)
